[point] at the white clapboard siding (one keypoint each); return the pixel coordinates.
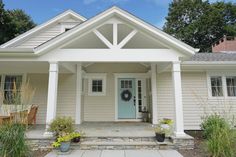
(41, 37)
(196, 101)
(66, 95)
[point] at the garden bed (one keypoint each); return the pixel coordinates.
(198, 150)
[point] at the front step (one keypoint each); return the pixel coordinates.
(121, 143)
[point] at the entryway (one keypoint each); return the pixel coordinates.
(131, 97)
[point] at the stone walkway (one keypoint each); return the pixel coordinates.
(119, 153)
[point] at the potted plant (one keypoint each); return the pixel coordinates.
(160, 134)
(63, 142)
(75, 137)
(164, 129)
(61, 126)
(167, 125)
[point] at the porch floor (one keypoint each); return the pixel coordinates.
(103, 129)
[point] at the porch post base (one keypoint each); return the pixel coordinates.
(48, 134)
(180, 134)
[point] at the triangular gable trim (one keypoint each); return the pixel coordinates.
(188, 50)
(40, 27)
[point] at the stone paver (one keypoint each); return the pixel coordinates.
(113, 153)
(142, 153)
(119, 153)
(170, 153)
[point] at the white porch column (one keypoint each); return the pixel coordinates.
(176, 78)
(78, 93)
(52, 94)
(154, 93)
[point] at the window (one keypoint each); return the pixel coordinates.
(231, 86)
(222, 84)
(126, 84)
(10, 85)
(216, 86)
(96, 84)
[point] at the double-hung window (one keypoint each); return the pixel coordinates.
(222, 85)
(231, 86)
(10, 87)
(216, 86)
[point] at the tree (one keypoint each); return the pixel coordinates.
(13, 23)
(199, 23)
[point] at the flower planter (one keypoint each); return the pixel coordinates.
(160, 137)
(65, 146)
(76, 140)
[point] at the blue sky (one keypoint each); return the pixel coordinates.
(152, 11)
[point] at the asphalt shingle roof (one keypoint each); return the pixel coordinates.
(217, 56)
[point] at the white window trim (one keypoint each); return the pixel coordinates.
(96, 76)
(223, 76)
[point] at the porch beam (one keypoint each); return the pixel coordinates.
(127, 39)
(154, 93)
(177, 87)
(78, 118)
(52, 95)
(103, 39)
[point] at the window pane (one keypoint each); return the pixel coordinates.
(12, 86)
(231, 86)
(96, 85)
(216, 86)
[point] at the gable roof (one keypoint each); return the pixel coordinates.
(40, 27)
(123, 15)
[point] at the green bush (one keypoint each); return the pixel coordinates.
(211, 122)
(220, 137)
(62, 125)
(13, 143)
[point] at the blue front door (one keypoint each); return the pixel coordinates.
(126, 99)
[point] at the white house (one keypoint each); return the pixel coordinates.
(112, 67)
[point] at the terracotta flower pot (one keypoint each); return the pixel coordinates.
(160, 137)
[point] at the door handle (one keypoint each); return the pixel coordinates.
(134, 100)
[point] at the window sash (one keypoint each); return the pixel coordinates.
(216, 86)
(231, 86)
(11, 87)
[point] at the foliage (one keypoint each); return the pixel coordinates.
(221, 138)
(62, 125)
(13, 143)
(199, 23)
(165, 126)
(13, 23)
(210, 123)
(65, 138)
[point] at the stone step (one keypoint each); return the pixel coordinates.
(119, 145)
(118, 139)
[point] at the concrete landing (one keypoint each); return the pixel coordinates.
(119, 153)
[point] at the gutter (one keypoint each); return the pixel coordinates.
(16, 52)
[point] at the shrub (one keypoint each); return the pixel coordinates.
(62, 125)
(220, 136)
(13, 143)
(210, 123)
